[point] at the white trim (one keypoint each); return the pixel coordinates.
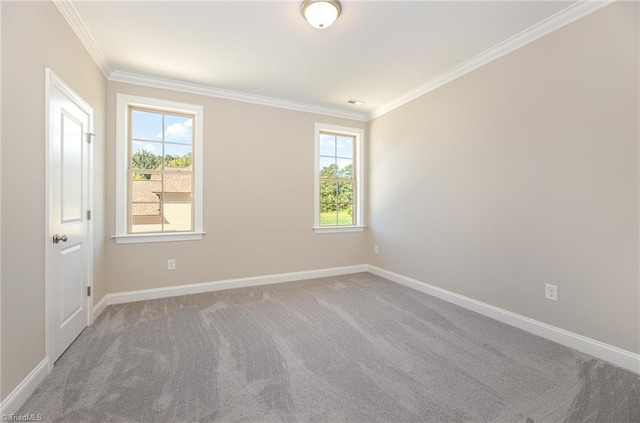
(159, 237)
(359, 163)
(191, 88)
(90, 206)
(337, 229)
(553, 23)
(197, 288)
(99, 307)
(25, 388)
(564, 17)
(73, 17)
(123, 101)
(0, 210)
(614, 355)
(54, 81)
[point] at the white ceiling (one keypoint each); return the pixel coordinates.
(377, 51)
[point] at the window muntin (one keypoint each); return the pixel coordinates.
(159, 150)
(338, 179)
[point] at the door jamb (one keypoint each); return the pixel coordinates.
(52, 80)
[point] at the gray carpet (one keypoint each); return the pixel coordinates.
(353, 348)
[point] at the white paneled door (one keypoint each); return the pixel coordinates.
(68, 255)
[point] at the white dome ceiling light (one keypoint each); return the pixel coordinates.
(321, 13)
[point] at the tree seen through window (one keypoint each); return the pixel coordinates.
(337, 179)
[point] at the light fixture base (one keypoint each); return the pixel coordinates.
(321, 13)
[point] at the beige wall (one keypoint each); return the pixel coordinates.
(258, 200)
(521, 173)
(35, 36)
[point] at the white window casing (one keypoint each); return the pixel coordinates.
(123, 103)
(358, 201)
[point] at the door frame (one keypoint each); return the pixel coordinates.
(54, 81)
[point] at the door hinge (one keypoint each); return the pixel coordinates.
(88, 291)
(89, 136)
(88, 214)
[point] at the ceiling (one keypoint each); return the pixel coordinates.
(380, 52)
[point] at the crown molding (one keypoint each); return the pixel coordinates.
(186, 87)
(564, 17)
(71, 14)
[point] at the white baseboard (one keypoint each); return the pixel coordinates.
(100, 307)
(23, 391)
(614, 355)
(196, 288)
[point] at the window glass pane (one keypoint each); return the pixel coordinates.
(146, 190)
(328, 204)
(146, 217)
(176, 202)
(139, 176)
(328, 217)
(146, 155)
(344, 193)
(161, 202)
(345, 147)
(328, 193)
(178, 129)
(178, 157)
(177, 216)
(146, 125)
(177, 186)
(145, 204)
(145, 209)
(327, 145)
(345, 214)
(345, 168)
(328, 167)
(328, 207)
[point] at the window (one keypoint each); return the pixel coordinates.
(338, 179)
(159, 173)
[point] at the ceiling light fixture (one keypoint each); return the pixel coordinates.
(321, 13)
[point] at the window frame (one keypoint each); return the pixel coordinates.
(123, 104)
(358, 162)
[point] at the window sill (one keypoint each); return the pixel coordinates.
(337, 229)
(164, 237)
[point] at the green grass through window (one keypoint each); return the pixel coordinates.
(329, 219)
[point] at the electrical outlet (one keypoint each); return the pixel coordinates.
(171, 264)
(551, 292)
(376, 250)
